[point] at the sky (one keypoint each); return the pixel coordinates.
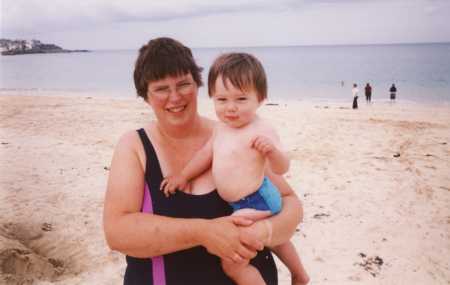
(120, 24)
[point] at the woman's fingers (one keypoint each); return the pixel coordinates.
(252, 242)
(254, 236)
(222, 239)
(241, 221)
(246, 253)
(236, 258)
(188, 188)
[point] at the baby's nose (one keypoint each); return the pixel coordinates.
(231, 107)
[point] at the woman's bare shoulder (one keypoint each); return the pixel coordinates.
(130, 147)
(131, 141)
(128, 140)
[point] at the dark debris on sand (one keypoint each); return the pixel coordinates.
(371, 264)
(320, 215)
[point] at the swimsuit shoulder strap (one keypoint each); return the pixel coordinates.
(152, 166)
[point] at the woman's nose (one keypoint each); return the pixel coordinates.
(174, 94)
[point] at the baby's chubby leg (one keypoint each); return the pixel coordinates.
(242, 273)
(252, 214)
(287, 253)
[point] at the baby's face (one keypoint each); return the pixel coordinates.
(234, 107)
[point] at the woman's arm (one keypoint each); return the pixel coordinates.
(145, 235)
(285, 222)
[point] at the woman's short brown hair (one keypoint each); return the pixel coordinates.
(162, 57)
(243, 70)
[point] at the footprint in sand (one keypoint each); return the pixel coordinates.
(19, 264)
(22, 233)
(22, 266)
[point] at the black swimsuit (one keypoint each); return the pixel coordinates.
(190, 266)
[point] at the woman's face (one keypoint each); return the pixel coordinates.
(174, 99)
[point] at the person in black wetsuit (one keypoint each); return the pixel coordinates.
(368, 92)
(180, 239)
(393, 92)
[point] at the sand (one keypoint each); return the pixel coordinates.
(375, 185)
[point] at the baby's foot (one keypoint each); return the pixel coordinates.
(301, 279)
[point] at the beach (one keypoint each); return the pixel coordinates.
(374, 183)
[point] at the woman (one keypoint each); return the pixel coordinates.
(180, 239)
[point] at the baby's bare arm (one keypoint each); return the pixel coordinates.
(197, 165)
(268, 145)
(200, 162)
(278, 161)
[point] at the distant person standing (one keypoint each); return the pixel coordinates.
(368, 92)
(355, 96)
(393, 91)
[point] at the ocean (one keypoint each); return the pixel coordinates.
(421, 72)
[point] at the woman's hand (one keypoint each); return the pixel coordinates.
(257, 234)
(222, 237)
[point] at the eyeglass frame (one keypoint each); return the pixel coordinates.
(183, 87)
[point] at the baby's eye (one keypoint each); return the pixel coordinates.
(242, 98)
(221, 99)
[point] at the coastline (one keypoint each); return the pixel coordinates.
(20, 52)
(362, 202)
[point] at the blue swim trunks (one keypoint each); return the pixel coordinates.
(267, 198)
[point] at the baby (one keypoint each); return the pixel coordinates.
(241, 150)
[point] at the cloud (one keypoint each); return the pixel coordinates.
(100, 23)
(31, 16)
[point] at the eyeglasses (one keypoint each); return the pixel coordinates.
(184, 87)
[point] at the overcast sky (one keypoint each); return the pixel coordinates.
(127, 24)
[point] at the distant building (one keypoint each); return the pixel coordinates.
(28, 44)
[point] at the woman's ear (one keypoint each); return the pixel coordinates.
(147, 99)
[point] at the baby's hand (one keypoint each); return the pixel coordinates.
(262, 144)
(171, 183)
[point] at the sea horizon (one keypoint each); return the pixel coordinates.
(421, 71)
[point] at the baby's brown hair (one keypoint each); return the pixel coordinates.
(243, 70)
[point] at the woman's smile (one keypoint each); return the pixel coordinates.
(176, 109)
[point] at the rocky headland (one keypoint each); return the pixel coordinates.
(16, 47)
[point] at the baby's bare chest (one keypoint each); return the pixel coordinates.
(234, 144)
